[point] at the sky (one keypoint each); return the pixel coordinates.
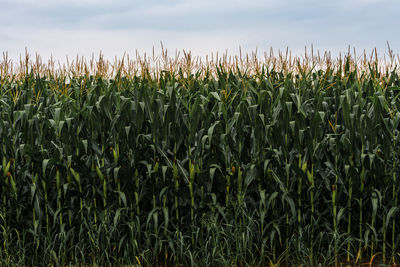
(62, 28)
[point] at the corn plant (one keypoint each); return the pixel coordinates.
(229, 161)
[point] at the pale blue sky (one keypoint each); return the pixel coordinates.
(116, 26)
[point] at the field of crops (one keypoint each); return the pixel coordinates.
(186, 161)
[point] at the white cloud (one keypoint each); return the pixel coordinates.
(68, 27)
(61, 43)
(194, 6)
(42, 3)
(354, 4)
(368, 2)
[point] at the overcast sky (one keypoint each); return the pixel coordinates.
(70, 27)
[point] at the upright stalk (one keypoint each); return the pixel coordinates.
(310, 176)
(362, 177)
(394, 195)
(350, 189)
(334, 193)
(176, 179)
(58, 184)
(136, 177)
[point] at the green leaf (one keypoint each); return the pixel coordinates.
(216, 95)
(211, 131)
(122, 196)
(390, 214)
(289, 106)
(57, 112)
(85, 145)
(322, 115)
(44, 165)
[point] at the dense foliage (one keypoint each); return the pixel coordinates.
(200, 169)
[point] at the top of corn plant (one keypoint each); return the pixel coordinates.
(151, 66)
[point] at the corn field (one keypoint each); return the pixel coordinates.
(185, 161)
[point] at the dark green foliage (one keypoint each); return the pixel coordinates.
(200, 170)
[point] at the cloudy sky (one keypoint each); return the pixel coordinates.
(68, 27)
